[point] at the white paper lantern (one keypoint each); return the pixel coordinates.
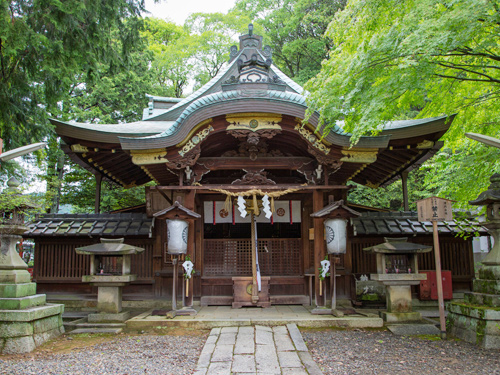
(177, 236)
(335, 235)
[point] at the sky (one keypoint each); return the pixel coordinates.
(178, 10)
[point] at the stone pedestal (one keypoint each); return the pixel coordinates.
(477, 319)
(26, 320)
(398, 296)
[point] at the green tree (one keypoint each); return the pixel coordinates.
(436, 57)
(170, 57)
(295, 31)
(211, 36)
(44, 44)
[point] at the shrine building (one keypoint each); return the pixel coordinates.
(244, 133)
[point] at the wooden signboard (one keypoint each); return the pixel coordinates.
(434, 209)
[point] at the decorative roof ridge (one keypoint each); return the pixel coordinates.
(212, 99)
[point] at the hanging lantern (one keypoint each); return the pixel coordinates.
(177, 235)
(335, 235)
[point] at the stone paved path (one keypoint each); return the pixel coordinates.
(256, 350)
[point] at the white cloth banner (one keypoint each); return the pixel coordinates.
(280, 215)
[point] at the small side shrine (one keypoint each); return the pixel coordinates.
(397, 269)
(110, 265)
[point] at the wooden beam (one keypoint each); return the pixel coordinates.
(225, 163)
(404, 181)
(319, 245)
(189, 202)
(98, 181)
(209, 188)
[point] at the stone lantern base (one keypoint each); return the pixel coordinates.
(26, 320)
(477, 319)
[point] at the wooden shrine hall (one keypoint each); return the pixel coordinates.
(242, 134)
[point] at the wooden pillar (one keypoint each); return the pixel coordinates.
(404, 182)
(98, 183)
(189, 202)
(319, 245)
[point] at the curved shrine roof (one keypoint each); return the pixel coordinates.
(249, 90)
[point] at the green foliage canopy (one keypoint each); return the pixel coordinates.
(295, 31)
(44, 44)
(434, 57)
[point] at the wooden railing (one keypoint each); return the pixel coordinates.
(232, 257)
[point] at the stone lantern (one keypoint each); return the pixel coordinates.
(26, 321)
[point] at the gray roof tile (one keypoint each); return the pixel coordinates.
(121, 224)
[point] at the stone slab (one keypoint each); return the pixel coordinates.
(311, 366)
(478, 312)
(219, 368)
(264, 337)
(296, 337)
(18, 345)
(31, 314)
(206, 355)
(15, 329)
(289, 359)
(489, 327)
(14, 276)
(22, 302)
(47, 324)
(392, 317)
(489, 272)
(267, 359)
(413, 329)
(109, 317)
(490, 300)
(283, 342)
(473, 331)
(227, 338)
(294, 371)
(43, 337)
(222, 353)
(17, 290)
(486, 286)
(244, 363)
(111, 331)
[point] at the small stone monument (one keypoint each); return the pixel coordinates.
(110, 265)
(397, 269)
(477, 319)
(26, 320)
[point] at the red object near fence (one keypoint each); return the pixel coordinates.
(428, 288)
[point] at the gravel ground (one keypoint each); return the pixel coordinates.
(356, 352)
(123, 355)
